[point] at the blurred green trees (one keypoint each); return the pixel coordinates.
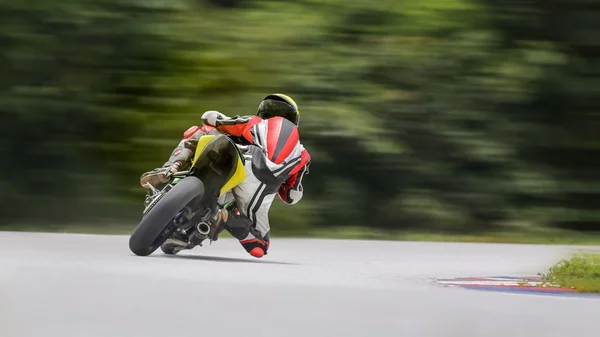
(447, 115)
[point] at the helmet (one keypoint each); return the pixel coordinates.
(279, 105)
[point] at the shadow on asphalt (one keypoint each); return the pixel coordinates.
(223, 259)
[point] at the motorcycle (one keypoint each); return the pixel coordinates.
(180, 215)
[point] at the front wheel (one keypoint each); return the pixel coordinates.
(158, 224)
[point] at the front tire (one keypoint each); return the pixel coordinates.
(153, 230)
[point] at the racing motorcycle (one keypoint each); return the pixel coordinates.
(181, 214)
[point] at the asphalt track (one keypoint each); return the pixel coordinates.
(92, 286)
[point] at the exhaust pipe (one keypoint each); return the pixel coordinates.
(203, 228)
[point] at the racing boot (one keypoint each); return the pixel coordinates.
(255, 246)
(160, 176)
(240, 227)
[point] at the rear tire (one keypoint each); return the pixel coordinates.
(150, 232)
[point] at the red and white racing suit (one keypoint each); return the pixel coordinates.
(276, 162)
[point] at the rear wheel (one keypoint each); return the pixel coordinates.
(161, 221)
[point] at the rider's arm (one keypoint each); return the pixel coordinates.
(292, 191)
(237, 126)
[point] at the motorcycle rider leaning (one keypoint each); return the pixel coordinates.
(275, 163)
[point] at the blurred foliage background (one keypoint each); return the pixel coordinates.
(445, 115)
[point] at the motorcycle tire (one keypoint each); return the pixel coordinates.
(150, 232)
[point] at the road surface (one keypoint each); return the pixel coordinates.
(92, 286)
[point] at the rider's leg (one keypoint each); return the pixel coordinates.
(251, 226)
(260, 216)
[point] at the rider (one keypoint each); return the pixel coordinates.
(275, 163)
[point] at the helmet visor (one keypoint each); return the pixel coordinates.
(272, 108)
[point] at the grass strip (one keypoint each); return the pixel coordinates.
(581, 272)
